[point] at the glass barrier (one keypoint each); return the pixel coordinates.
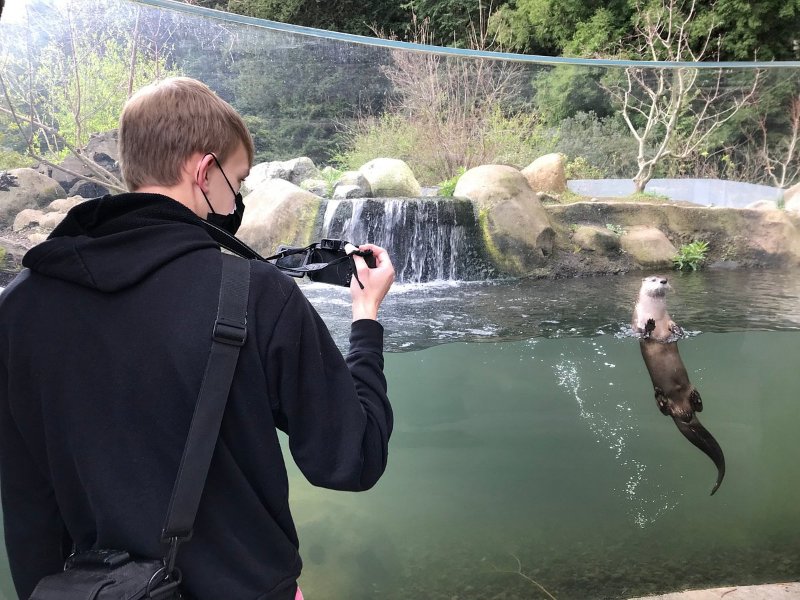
(529, 458)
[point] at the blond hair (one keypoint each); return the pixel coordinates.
(163, 124)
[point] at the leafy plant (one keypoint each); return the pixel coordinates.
(618, 230)
(690, 256)
(330, 176)
(448, 186)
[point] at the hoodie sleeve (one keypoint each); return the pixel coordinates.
(35, 535)
(335, 411)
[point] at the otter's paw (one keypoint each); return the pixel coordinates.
(695, 401)
(649, 327)
(662, 401)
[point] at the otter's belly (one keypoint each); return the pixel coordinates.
(665, 366)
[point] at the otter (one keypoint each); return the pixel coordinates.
(675, 395)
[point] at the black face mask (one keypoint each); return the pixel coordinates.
(229, 222)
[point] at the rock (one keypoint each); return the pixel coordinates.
(547, 173)
(318, 187)
(67, 180)
(762, 205)
(50, 220)
(259, 174)
(7, 181)
(102, 149)
(596, 239)
(649, 247)
(37, 238)
(64, 204)
(33, 190)
(295, 171)
(300, 169)
(515, 226)
(791, 198)
(26, 218)
(343, 192)
(278, 212)
(752, 238)
(356, 178)
(390, 178)
(87, 189)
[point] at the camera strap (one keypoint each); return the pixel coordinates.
(238, 247)
(229, 335)
(308, 267)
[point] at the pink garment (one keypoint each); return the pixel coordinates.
(299, 594)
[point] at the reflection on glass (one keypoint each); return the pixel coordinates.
(525, 430)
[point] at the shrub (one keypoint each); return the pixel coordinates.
(604, 144)
(448, 187)
(691, 256)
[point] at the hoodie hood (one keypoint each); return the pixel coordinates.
(114, 242)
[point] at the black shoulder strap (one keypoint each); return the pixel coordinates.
(230, 331)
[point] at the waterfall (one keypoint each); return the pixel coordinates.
(428, 239)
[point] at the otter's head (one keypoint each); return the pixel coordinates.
(655, 286)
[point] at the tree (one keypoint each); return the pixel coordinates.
(349, 16)
(73, 85)
(673, 112)
(781, 158)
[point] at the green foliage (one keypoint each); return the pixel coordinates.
(350, 16)
(302, 105)
(648, 197)
(566, 90)
(513, 140)
(579, 168)
(385, 136)
(86, 94)
(604, 144)
(78, 76)
(10, 158)
(330, 176)
(617, 230)
(448, 186)
(691, 256)
(14, 160)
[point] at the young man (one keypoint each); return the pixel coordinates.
(103, 342)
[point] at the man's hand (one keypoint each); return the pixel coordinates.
(377, 282)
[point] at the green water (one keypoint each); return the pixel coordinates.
(542, 443)
(553, 451)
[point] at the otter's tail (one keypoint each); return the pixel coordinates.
(694, 431)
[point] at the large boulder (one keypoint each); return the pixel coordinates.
(515, 226)
(65, 204)
(295, 171)
(278, 212)
(391, 178)
(101, 149)
(351, 179)
(300, 169)
(32, 190)
(648, 247)
(28, 217)
(547, 173)
(596, 239)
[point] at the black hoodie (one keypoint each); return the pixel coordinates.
(103, 342)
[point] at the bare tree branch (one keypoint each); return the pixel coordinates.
(657, 103)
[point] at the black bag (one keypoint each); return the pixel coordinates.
(88, 576)
(115, 574)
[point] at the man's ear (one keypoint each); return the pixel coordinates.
(199, 166)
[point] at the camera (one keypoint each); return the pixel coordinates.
(326, 261)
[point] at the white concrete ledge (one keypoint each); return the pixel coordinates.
(772, 591)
